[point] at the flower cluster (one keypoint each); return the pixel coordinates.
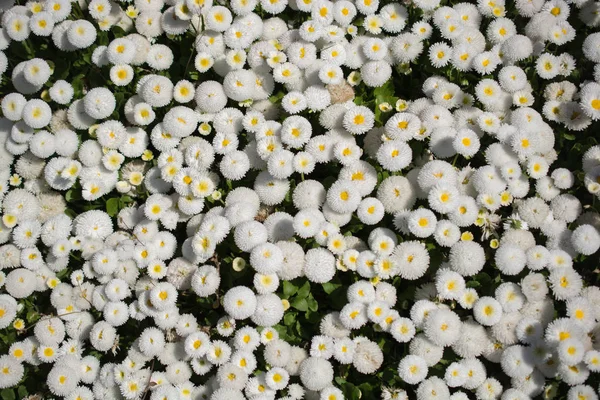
(188, 186)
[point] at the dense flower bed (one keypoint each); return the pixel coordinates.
(287, 199)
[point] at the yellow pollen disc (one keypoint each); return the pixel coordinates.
(563, 336)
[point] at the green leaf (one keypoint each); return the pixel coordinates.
(87, 57)
(338, 297)
(124, 202)
(78, 83)
(473, 284)
(312, 317)
(382, 93)
(300, 304)
(7, 394)
(329, 287)
(313, 305)
(112, 206)
(366, 387)
(22, 392)
(289, 319)
(31, 316)
(71, 213)
(289, 289)
(72, 195)
(276, 97)
(282, 330)
(304, 290)
(300, 329)
(351, 392)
